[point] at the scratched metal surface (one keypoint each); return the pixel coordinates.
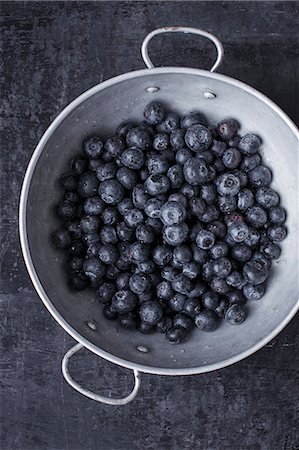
(51, 52)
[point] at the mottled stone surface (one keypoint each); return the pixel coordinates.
(52, 52)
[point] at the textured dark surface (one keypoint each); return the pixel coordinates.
(52, 52)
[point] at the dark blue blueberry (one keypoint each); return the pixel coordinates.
(105, 292)
(128, 321)
(108, 254)
(164, 290)
(124, 128)
(277, 215)
(232, 218)
(222, 307)
(162, 255)
(205, 239)
(72, 197)
(144, 125)
(133, 218)
(219, 250)
(208, 193)
(245, 199)
(175, 234)
(140, 196)
(197, 206)
(108, 235)
(231, 158)
(207, 155)
(235, 314)
(94, 206)
(176, 335)
(198, 138)
(92, 147)
(277, 233)
(252, 292)
(133, 158)
(172, 213)
(218, 165)
(177, 302)
(249, 144)
(227, 129)
(252, 238)
(88, 185)
(111, 192)
(266, 197)
(122, 280)
(147, 266)
(270, 250)
(210, 300)
(153, 207)
(168, 273)
(139, 283)
(238, 231)
(181, 284)
(206, 320)
(160, 142)
(260, 176)
(143, 173)
(79, 165)
(128, 178)
(93, 249)
(67, 210)
(241, 252)
(193, 118)
(259, 256)
(188, 191)
(91, 238)
(94, 164)
(125, 205)
(157, 164)
(124, 301)
(198, 289)
(145, 328)
(256, 216)
(169, 155)
(242, 177)
(250, 162)
(93, 268)
(190, 270)
(68, 182)
(154, 113)
(176, 177)
(219, 285)
(124, 233)
(115, 145)
(179, 198)
(157, 184)
(181, 320)
(235, 279)
(78, 281)
(170, 123)
(151, 312)
(234, 141)
(156, 224)
(110, 215)
(196, 171)
(89, 224)
(138, 138)
(255, 271)
(177, 139)
(222, 267)
(218, 148)
(138, 252)
(227, 203)
(145, 234)
(182, 254)
(236, 297)
(109, 313)
(74, 264)
(164, 325)
(207, 270)
(182, 155)
(228, 184)
(77, 248)
(218, 228)
(192, 307)
(112, 272)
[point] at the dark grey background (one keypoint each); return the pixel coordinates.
(52, 52)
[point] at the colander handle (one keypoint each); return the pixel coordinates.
(145, 43)
(92, 395)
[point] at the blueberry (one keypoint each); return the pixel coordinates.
(222, 267)
(206, 320)
(252, 238)
(164, 290)
(133, 218)
(179, 198)
(124, 301)
(181, 320)
(252, 292)
(115, 145)
(89, 224)
(92, 147)
(245, 199)
(161, 142)
(238, 231)
(74, 264)
(156, 224)
(256, 216)
(228, 184)
(205, 239)
(241, 252)
(194, 230)
(208, 193)
(127, 177)
(219, 285)
(111, 191)
(157, 184)
(67, 210)
(277, 215)
(234, 141)
(94, 164)
(77, 281)
(277, 233)
(197, 206)
(138, 252)
(94, 269)
(94, 206)
(162, 255)
(192, 307)
(153, 207)
(218, 148)
(227, 203)
(169, 155)
(210, 300)
(193, 118)
(164, 325)
(182, 254)
(196, 171)
(219, 250)
(221, 308)
(188, 191)
(250, 162)
(125, 205)
(266, 197)
(207, 155)
(144, 125)
(128, 321)
(133, 158)
(145, 328)
(181, 284)
(227, 129)
(249, 144)
(88, 185)
(235, 296)
(177, 302)
(182, 155)
(72, 197)
(235, 314)
(109, 313)
(260, 176)
(157, 164)
(108, 235)
(124, 233)
(151, 312)
(105, 292)
(139, 283)
(147, 266)
(198, 289)
(230, 219)
(68, 182)
(139, 196)
(235, 279)
(218, 228)
(242, 177)
(145, 234)
(91, 238)
(172, 213)
(138, 138)
(176, 177)
(170, 123)
(176, 335)
(79, 165)
(218, 165)
(93, 249)
(255, 272)
(259, 256)
(77, 248)
(110, 215)
(106, 156)
(190, 270)
(108, 254)
(124, 128)
(198, 138)
(154, 113)
(143, 173)
(231, 158)
(175, 234)
(177, 139)
(270, 250)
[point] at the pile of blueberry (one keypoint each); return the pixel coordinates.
(172, 222)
